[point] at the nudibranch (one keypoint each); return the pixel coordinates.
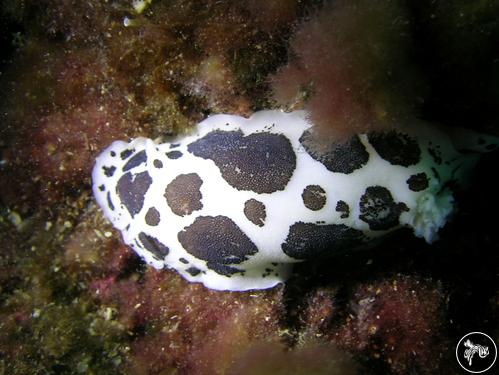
(239, 200)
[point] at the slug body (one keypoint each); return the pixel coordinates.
(234, 204)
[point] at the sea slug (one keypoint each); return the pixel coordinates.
(235, 203)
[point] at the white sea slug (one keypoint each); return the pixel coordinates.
(234, 204)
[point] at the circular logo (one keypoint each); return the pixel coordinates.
(476, 352)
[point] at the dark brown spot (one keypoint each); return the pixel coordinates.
(255, 212)
(113, 154)
(136, 160)
(491, 147)
(343, 207)
(157, 163)
(109, 201)
(109, 171)
(174, 154)
(314, 197)
(193, 271)
(126, 153)
(436, 174)
(267, 272)
(435, 154)
(153, 245)
(336, 157)
(311, 241)
(260, 162)
(102, 188)
(224, 270)
(132, 189)
(183, 260)
(152, 217)
(418, 182)
(218, 241)
(396, 148)
(379, 210)
(183, 195)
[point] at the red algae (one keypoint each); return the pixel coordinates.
(59, 154)
(57, 131)
(95, 256)
(192, 323)
(215, 86)
(64, 148)
(400, 320)
(311, 357)
(320, 310)
(351, 58)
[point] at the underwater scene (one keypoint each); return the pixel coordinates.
(252, 187)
